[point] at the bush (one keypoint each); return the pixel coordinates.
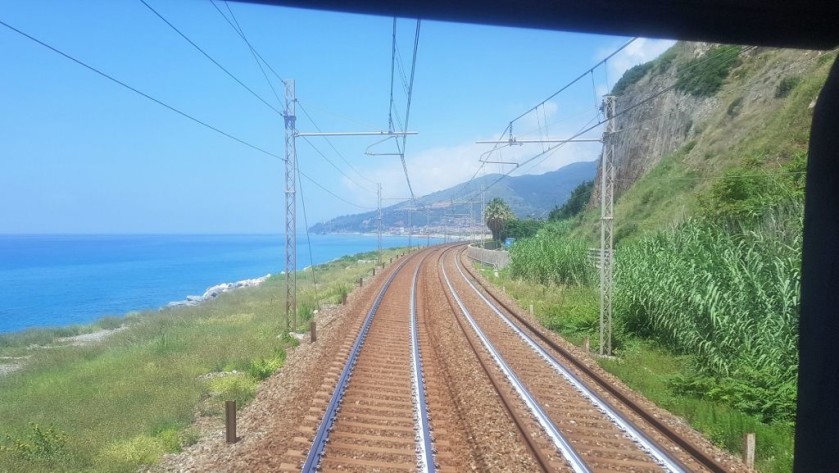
(125, 455)
(744, 194)
(704, 76)
(786, 86)
(237, 388)
(735, 106)
(261, 369)
(631, 76)
(522, 228)
(40, 444)
(575, 204)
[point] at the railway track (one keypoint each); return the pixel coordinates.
(609, 430)
(439, 374)
(375, 415)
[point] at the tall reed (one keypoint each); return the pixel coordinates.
(552, 257)
(727, 294)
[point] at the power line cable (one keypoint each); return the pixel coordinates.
(325, 189)
(509, 127)
(340, 155)
(392, 66)
(241, 32)
(241, 35)
(572, 82)
(139, 92)
(319, 152)
(621, 112)
(173, 109)
(408, 109)
(185, 37)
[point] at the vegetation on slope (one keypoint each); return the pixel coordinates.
(704, 76)
(120, 404)
(575, 204)
(708, 256)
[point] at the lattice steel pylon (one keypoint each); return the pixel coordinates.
(607, 201)
(289, 114)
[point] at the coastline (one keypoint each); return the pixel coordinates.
(214, 291)
(10, 364)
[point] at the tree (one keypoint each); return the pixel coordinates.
(522, 228)
(575, 204)
(497, 214)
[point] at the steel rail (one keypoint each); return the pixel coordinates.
(656, 423)
(425, 449)
(331, 413)
(560, 442)
(517, 418)
(646, 443)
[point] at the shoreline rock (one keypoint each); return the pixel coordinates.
(214, 291)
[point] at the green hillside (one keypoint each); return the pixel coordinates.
(528, 195)
(708, 241)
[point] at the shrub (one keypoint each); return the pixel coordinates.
(735, 106)
(261, 369)
(125, 455)
(786, 86)
(704, 76)
(39, 444)
(522, 228)
(575, 204)
(237, 388)
(745, 193)
(631, 76)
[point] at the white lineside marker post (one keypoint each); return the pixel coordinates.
(749, 450)
(531, 310)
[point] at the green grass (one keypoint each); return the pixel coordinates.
(651, 370)
(122, 403)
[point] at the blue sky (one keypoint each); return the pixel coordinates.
(81, 154)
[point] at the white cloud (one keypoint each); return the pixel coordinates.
(438, 168)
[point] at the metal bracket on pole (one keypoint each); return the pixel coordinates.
(607, 201)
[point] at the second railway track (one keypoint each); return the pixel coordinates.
(645, 442)
(438, 374)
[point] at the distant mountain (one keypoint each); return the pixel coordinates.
(528, 196)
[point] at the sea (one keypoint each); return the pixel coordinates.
(58, 280)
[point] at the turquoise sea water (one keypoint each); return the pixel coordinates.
(53, 280)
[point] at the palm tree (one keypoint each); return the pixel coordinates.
(496, 215)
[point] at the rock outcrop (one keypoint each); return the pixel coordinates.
(217, 290)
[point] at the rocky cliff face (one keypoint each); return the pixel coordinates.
(653, 128)
(682, 113)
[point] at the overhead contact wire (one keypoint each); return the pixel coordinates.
(185, 37)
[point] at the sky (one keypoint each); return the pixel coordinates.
(82, 154)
